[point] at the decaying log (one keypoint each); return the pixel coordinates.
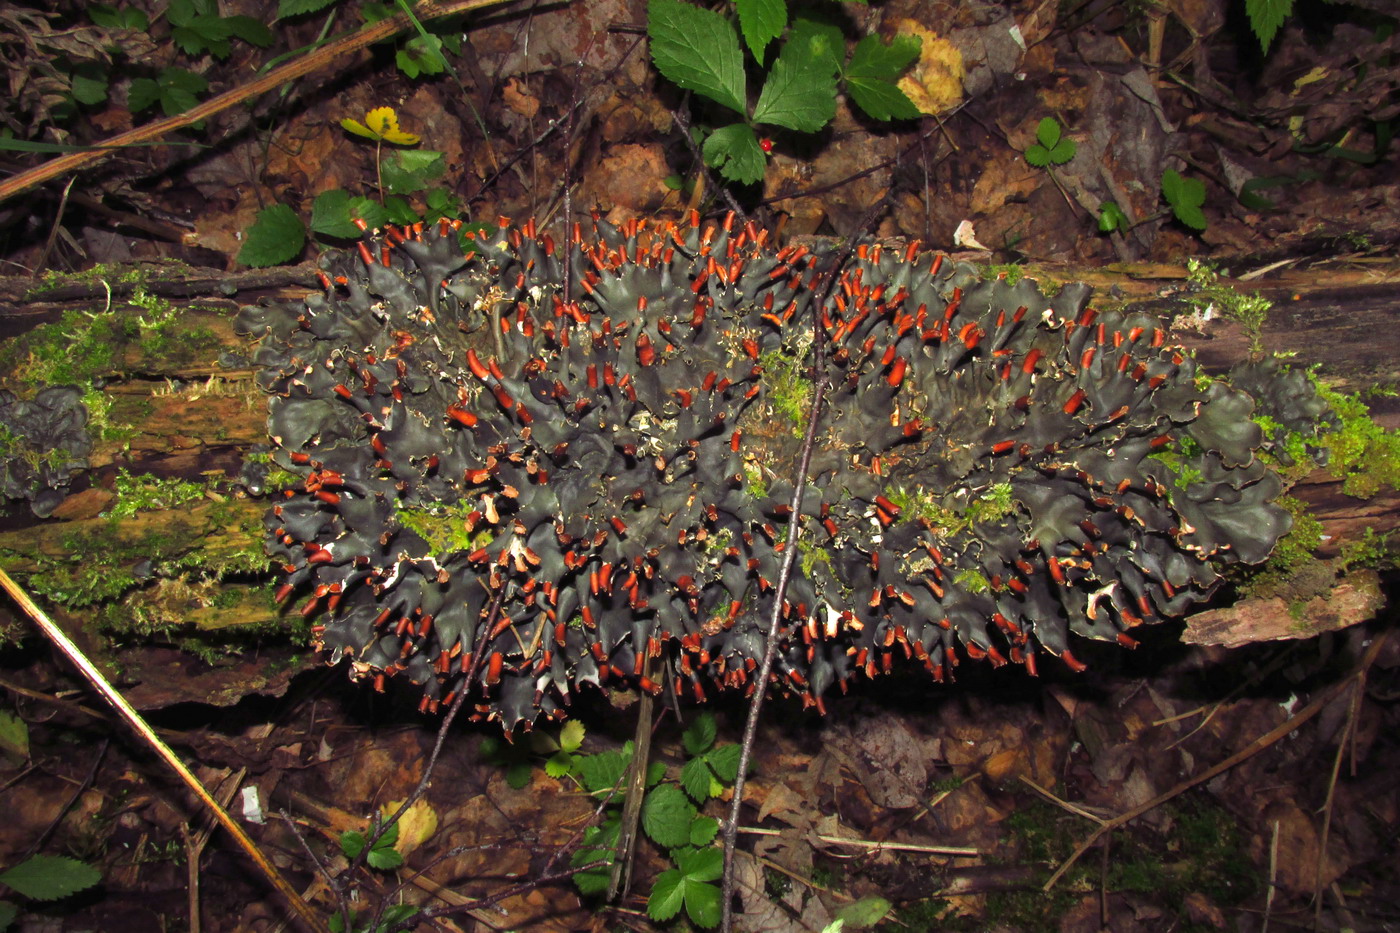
(179, 410)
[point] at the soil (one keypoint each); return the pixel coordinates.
(1209, 787)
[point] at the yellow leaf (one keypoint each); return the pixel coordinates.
(380, 123)
(416, 826)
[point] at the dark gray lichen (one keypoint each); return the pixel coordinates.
(43, 442)
(996, 469)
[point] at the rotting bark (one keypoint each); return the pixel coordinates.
(180, 412)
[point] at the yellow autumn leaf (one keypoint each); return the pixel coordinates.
(381, 123)
(415, 827)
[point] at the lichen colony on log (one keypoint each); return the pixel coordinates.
(598, 443)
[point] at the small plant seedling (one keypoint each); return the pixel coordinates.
(382, 855)
(700, 51)
(1185, 195)
(1111, 217)
(1051, 146)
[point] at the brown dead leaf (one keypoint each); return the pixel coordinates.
(519, 99)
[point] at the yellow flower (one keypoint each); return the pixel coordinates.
(381, 123)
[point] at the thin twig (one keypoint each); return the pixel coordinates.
(133, 718)
(874, 844)
(71, 162)
(794, 532)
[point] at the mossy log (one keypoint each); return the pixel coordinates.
(167, 404)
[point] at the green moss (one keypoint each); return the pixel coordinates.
(992, 505)
(1362, 453)
(146, 493)
(1010, 272)
(972, 580)
(789, 389)
(1179, 458)
(1250, 311)
(73, 350)
(1373, 551)
(444, 527)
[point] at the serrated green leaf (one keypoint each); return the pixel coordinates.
(725, 762)
(800, 92)
(695, 778)
(600, 773)
(705, 864)
(1047, 132)
(1063, 151)
(330, 214)
(352, 843)
(1185, 195)
(701, 734)
(873, 58)
(518, 775)
(698, 50)
(735, 151)
(8, 912)
(819, 37)
(389, 837)
(667, 895)
(400, 211)
(703, 830)
(571, 736)
(667, 815)
(408, 170)
(50, 877)
(249, 30)
(276, 236)
(1037, 155)
(655, 772)
(702, 903)
(286, 8)
(89, 83)
(141, 94)
(384, 859)
(559, 764)
(882, 100)
(864, 913)
(1265, 18)
(761, 21)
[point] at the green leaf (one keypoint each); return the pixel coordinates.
(735, 151)
(330, 214)
(761, 21)
(441, 203)
(8, 912)
(1063, 151)
(872, 58)
(695, 778)
(882, 100)
(110, 17)
(1111, 217)
(702, 864)
(1047, 132)
(1265, 18)
(14, 736)
(698, 50)
(701, 735)
(819, 37)
(667, 815)
(352, 843)
(408, 170)
(702, 903)
(600, 773)
(800, 92)
(287, 8)
(571, 736)
(703, 830)
(89, 83)
(141, 93)
(864, 913)
(276, 236)
(518, 775)
(725, 762)
(384, 858)
(421, 55)
(50, 877)
(1185, 195)
(400, 211)
(249, 30)
(667, 895)
(559, 764)
(1037, 155)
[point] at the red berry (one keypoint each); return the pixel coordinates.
(766, 144)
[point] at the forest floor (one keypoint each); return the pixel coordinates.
(1261, 780)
